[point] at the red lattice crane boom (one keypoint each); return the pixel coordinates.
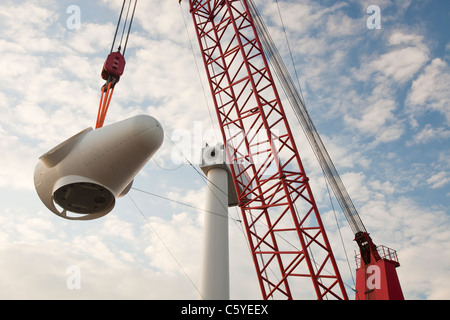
(287, 239)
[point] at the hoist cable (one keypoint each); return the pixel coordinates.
(303, 99)
(117, 27)
(340, 233)
(125, 24)
(307, 125)
(290, 51)
(129, 27)
(114, 65)
(297, 102)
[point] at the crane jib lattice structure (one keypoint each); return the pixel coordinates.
(284, 229)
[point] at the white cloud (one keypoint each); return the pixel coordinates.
(401, 64)
(385, 187)
(91, 38)
(439, 179)
(117, 228)
(168, 250)
(406, 55)
(299, 16)
(390, 133)
(399, 37)
(41, 272)
(429, 133)
(37, 18)
(339, 24)
(374, 116)
(430, 90)
(420, 232)
(18, 161)
(378, 120)
(375, 111)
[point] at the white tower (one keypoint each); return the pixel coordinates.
(220, 193)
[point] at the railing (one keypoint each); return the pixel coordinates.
(384, 253)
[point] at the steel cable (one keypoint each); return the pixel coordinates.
(307, 125)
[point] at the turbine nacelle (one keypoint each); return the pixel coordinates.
(87, 172)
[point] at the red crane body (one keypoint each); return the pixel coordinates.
(376, 275)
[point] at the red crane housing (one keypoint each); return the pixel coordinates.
(376, 275)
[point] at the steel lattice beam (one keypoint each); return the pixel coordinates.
(283, 225)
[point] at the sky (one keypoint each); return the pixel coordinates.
(376, 88)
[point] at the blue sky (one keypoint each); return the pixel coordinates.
(379, 99)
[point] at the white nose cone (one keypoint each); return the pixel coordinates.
(87, 172)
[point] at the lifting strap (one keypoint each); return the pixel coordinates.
(114, 66)
(105, 100)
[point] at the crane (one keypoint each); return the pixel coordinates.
(285, 232)
(371, 258)
(287, 238)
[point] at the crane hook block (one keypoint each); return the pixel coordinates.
(113, 66)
